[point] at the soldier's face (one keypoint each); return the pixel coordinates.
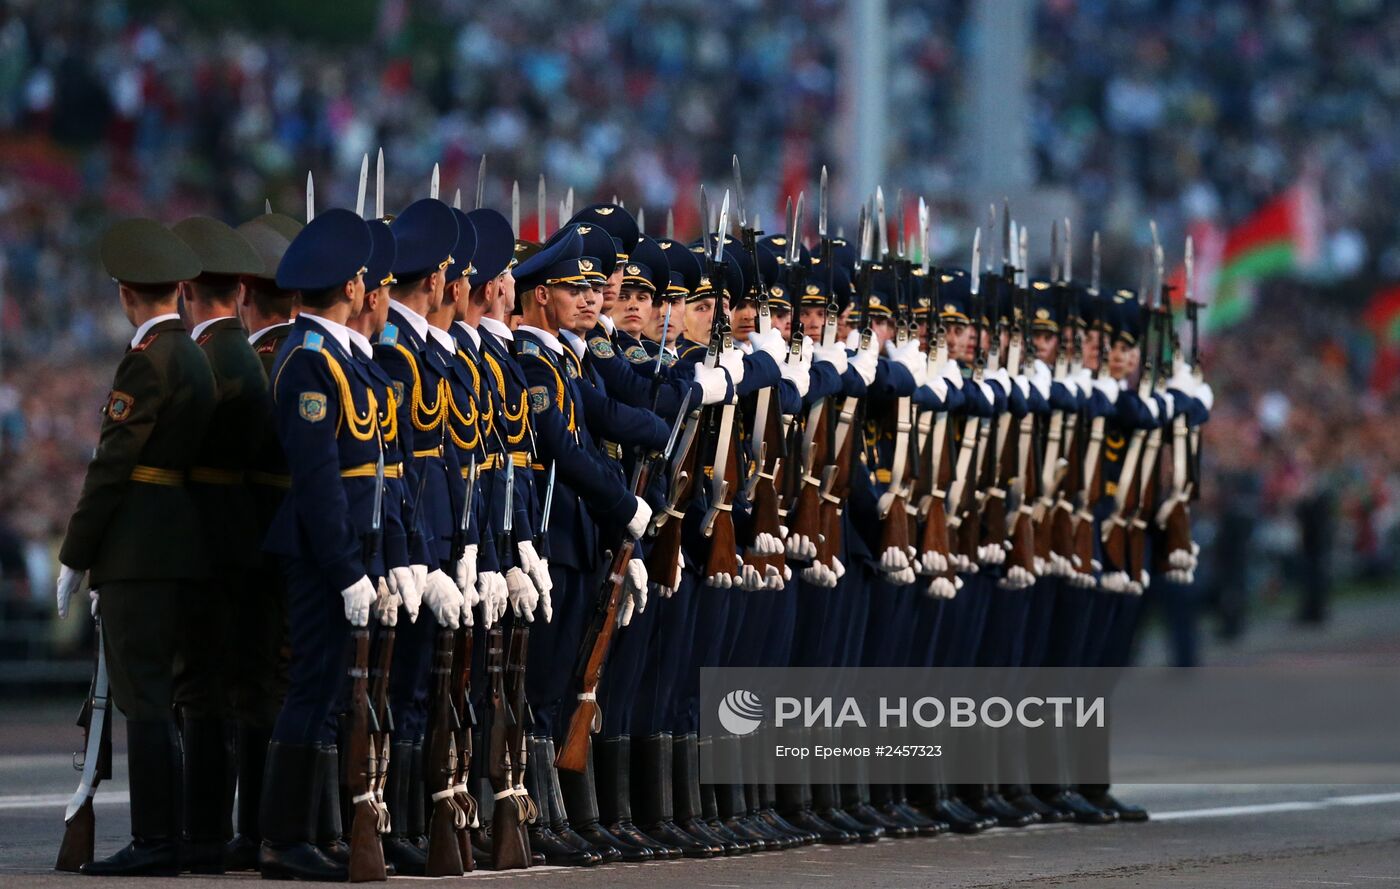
(588, 313)
(1091, 348)
(699, 317)
(883, 328)
(1123, 360)
(563, 304)
(745, 319)
(813, 319)
(613, 289)
(632, 310)
(843, 322)
(782, 323)
(961, 340)
(921, 327)
(674, 327)
(1045, 345)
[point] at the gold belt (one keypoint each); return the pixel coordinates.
(269, 479)
(207, 475)
(367, 470)
(429, 452)
(1110, 488)
(151, 475)
(521, 459)
(614, 449)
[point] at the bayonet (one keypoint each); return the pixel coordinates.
(1023, 256)
(1094, 266)
(542, 209)
(642, 220)
(795, 234)
(757, 224)
(704, 219)
(1067, 264)
(364, 183)
(975, 278)
(267, 205)
(821, 207)
(901, 247)
(457, 200)
(923, 237)
(568, 205)
(1005, 229)
(480, 182)
(670, 224)
(1055, 251)
(720, 230)
(515, 207)
(310, 197)
(435, 182)
(881, 224)
(740, 205)
(379, 186)
(1189, 263)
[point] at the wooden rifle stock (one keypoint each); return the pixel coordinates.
(724, 548)
(804, 517)
(461, 704)
(663, 560)
(516, 657)
(384, 720)
(506, 850)
(764, 495)
(444, 854)
(361, 765)
(79, 830)
(573, 755)
(78, 843)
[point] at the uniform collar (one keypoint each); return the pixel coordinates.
(497, 328)
(264, 331)
(444, 339)
(416, 321)
(608, 324)
(544, 336)
(471, 334)
(575, 342)
(363, 347)
(338, 331)
(146, 326)
(205, 325)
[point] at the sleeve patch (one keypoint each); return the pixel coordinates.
(637, 355)
(398, 391)
(539, 399)
(119, 406)
(600, 347)
(314, 342)
(312, 406)
(529, 347)
(390, 335)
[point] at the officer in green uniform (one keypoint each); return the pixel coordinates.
(207, 680)
(136, 531)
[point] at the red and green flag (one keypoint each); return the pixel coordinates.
(1280, 238)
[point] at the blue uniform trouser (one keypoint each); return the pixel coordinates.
(928, 616)
(960, 634)
(782, 628)
(814, 604)
(554, 651)
(709, 644)
(320, 639)
(1038, 622)
(622, 676)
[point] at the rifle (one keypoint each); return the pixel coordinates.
(718, 521)
(1022, 479)
(963, 521)
(516, 730)
(361, 762)
(461, 705)
(1174, 517)
(507, 851)
(894, 504)
(439, 765)
(597, 640)
(1091, 466)
(95, 763)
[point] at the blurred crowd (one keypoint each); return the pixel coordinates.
(1178, 109)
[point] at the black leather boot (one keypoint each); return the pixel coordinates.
(555, 849)
(1020, 796)
(208, 809)
(709, 805)
(399, 851)
(826, 802)
(330, 832)
(652, 759)
(731, 805)
(292, 787)
(242, 851)
(417, 801)
(154, 764)
(580, 800)
(794, 804)
(985, 801)
(687, 805)
(898, 805)
(1099, 797)
(758, 753)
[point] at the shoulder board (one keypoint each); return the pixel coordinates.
(601, 347)
(691, 348)
(267, 347)
(637, 355)
(141, 346)
(529, 347)
(314, 341)
(390, 335)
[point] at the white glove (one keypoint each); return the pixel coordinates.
(637, 526)
(750, 579)
(69, 579)
(1183, 380)
(774, 579)
(662, 587)
(866, 361)
(720, 581)
(770, 342)
(522, 594)
(92, 597)
(1205, 395)
(953, 374)
(1109, 387)
(833, 354)
(358, 597)
(443, 599)
(893, 559)
(634, 591)
(801, 547)
(938, 385)
(942, 588)
(931, 562)
(732, 360)
(1153, 407)
(799, 373)
(465, 569)
(714, 384)
(386, 605)
(766, 544)
(910, 358)
(535, 565)
(1017, 578)
(492, 592)
(1041, 378)
(546, 605)
(420, 581)
(1001, 377)
(404, 585)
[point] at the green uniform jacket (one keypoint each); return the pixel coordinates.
(270, 479)
(155, 418)
(218, 479)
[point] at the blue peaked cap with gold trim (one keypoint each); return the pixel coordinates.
(684, 265)
(426, 234)
(558, 262)
(647, 267)
(615, 221)
(495, 245)
(332, 249)
(464, 254)
(379, 269)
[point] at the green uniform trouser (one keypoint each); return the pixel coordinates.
(140, 627)
(257, 674)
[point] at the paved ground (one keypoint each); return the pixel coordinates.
(1200, 836)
